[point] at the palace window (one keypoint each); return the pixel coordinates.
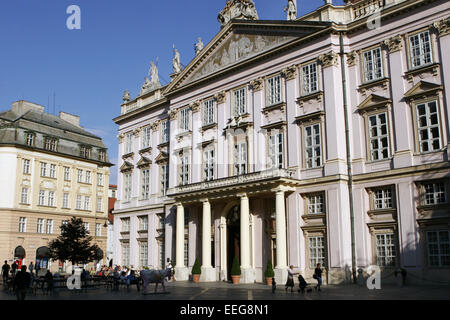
(434, 193)
(143, 254)
(24, 196)
(127, 186)
(86, 226)
(208, 164)
(80, 175)
(240, 102)
(78, 206)
(26, 166)
(43, 169)
(52, 171)
(85, 152)
(313, 147)
(66, 174)
(382, 199)
(145, 184)
(316, 251)
(373, 65)
(428, 126)
(164, 178)
(126, 225)
(100, 179)
(143, 223)
(50, 144)
(128, 142)
(125, 254)
(276, 150)
(420, 49)
(51, 198)
(40, 226)
(184, 120)
(86, 202)
(378, 136)
(310, 79)
(102, 155)
(30, 139)
(49, 226)
(184, 170)
(438, 248)
(22, 224)
(65, 203)
(146, 137)
(240, 158)
(98, 229)
(274, 90)
(88, 177)
(208, 112)
(316, 203)
(385, 249)
(99, 204)
(41, 197)
(165, 131)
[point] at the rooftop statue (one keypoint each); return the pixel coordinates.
(199, 46)
(126, 96)
(291, 10)
(238, 9)
(176, 61)
(153, 83)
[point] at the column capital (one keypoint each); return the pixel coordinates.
(204, 200)
(179, 204)
(282, 189)
(242, 195)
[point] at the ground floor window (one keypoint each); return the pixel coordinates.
(438, 247)
(186, 253)
(143, 254)
(126, 254)
(316, 251)
(385, 249)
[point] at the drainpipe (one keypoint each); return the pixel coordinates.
(349, 158)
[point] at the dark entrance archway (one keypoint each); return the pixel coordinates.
(233, 236)
(42, 257)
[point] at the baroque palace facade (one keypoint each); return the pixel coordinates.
(51, 170)
(321, 139)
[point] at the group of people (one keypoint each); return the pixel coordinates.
(301, 281)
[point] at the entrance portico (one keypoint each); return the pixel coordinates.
(223, 200)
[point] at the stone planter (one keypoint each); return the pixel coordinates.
(236, 279)
(269, 281)
(196, 278)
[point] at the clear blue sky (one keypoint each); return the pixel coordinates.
(89, 69)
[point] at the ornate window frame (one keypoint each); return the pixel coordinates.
(278, 104)
(311, 120)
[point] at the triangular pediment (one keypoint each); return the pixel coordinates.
(162, 157)
(373, 101)
(422, 88)
(240, 42)
(144, 161)
(126, 166)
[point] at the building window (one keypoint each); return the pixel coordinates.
(373, 66)
(41, 197)
(80, 175)
(43, 169)
(64, 222)
(52, 171)
(86, 226)
(102, 155)
(208, 112)
(438, 248)
(385, 250)
(186, 252)
(40, 226)
(146, 137)
(164, 178)
(310, 79)
(313, 146)
(274, 90)
(100, 179)
(66, 174)
(125, 254)
(184, 170)
(161, 253)
(50, 144)
(86, 203)
(24, 196)
(88, 177)
(276, 150)
(51, 198)
(184, 119)
(126, 225)
(208, 164)
(382, 199)
(65, 200)
(98, 229)
(30, 139)
(316, 204)
(240, 102)
(428, 126)
(378, 136)
(99, 204)
(316, 251)
(165, 131)
(145, 173)
(143, 254)
(127, 186)
(22, 224)
(85, 152)
(26, 166)
(78, 203)
(128, 142)
(240, 158)
(434, 193)
(420, 49)
(143, 223)
(49, 226)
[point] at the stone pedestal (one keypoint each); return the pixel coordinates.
(248, 275)
(209, 274)
(281, 276)
(181, 274)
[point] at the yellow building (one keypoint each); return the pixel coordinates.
(51, 169)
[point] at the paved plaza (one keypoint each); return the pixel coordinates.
(228, 291)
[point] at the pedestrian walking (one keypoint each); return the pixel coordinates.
(48, 278)
(274, 285)
(21, 283)
(13, 268)
(318, 276)
(5, 273)
(31, 268)
(290, 279)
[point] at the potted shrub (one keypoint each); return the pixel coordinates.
(196, 271)
(269, 274)
(236, 271)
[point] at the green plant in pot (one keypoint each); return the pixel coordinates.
(269, 273)
(236, 271)
(196, 271)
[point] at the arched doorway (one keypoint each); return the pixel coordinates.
(19, 255)
(42, 257)
(233, 237)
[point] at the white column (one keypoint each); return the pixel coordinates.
(181, 271)
(281, 229)
(223, 249)
(245, 235)
(208, 272)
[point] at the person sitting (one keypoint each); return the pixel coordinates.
(302, 284)
(132, 279)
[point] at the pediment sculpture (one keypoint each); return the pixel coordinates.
(238, 9)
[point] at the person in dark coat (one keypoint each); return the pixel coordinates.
(14, 268)
(302, 284)
(318, 276)
(21, 283)
(274, 285)
(48, 278)
(5, 272)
